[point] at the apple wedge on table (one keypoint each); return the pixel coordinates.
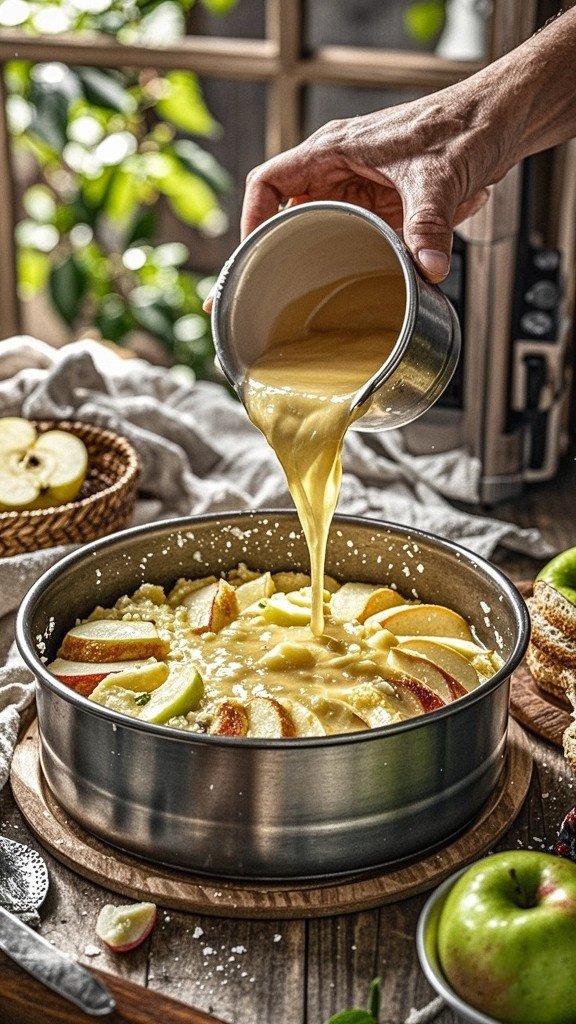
(103, 640)
(423, 620)
(211, 608)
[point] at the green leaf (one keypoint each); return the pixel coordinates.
(141, 229)
(67, 283)
(122, 197)
(374, 998)
(106, 89)
(191, 199)
(353, 1017)
(183, 105)
(203, 164)
(33, 267)
(50, 119)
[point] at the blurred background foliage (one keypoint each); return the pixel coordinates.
(106, 147)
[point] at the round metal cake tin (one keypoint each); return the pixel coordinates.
(309, 246)
(272, 809)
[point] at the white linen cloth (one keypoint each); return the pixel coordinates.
(200, 453)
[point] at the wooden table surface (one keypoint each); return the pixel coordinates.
(301, 972)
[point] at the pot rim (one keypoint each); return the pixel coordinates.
(28, 653)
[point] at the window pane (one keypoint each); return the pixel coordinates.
(380, 23)
(244, 21)
(324, 102)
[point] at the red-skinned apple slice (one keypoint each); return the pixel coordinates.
(212, 608)
(420, 668)
(230, 720)
(358, 601)
(466, 648)
(101, 640)
(447, 660)
(124, 928)
(422, 620)
(84, 676)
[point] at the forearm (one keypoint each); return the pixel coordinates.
(530, 93)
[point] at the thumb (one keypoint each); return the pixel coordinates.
(428, 223)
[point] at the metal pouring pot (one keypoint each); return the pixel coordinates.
(310, 246)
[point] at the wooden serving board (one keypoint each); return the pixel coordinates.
(130, 876)
(540, 712)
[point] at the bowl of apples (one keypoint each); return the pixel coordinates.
(126, 753)
(497, 940)
(62, 482)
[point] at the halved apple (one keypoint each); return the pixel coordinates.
(417, 666)
(48, 472)
(357, 601)
(253, 591)
(269, 719)
(212, 608)
(423, 620)
(125, 928)
(84, 676)
(230, 720)
(113, 640)
(447, 660)
(16, 433)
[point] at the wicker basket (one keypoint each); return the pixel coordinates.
(105, 502)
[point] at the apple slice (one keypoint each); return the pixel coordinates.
(305, 721)
(422, 620)
(418, 667)
(285, 610)
(124, 928)
(84, 676)
(376, 705)
(68, 459)
(113, 640)
(269, 719)
(357, 601)
(180, 694)
(288, 657)
(211, 608)
(230, 720)
(337, 716)
(253, 591)
(286, 582)
(16, 433)
(455, 665)
(466, 648)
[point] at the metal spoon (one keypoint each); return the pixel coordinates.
(23, 887)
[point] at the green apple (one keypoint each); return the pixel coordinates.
(507, 937)
(560, 573)
(39, 472)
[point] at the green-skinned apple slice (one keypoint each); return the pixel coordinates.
(358, 601)
(447, 660)
(16, 433)
(129, 690)
(423, 620)
(125, 928)
(180, 694)
(112, 640)
(84, 676)
(406, 663)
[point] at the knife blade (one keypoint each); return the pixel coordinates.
(55, 970)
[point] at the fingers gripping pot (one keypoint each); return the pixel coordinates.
(244, 807)
(310, 247)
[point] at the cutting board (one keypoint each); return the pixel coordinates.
(535, 709)
(130, 876)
